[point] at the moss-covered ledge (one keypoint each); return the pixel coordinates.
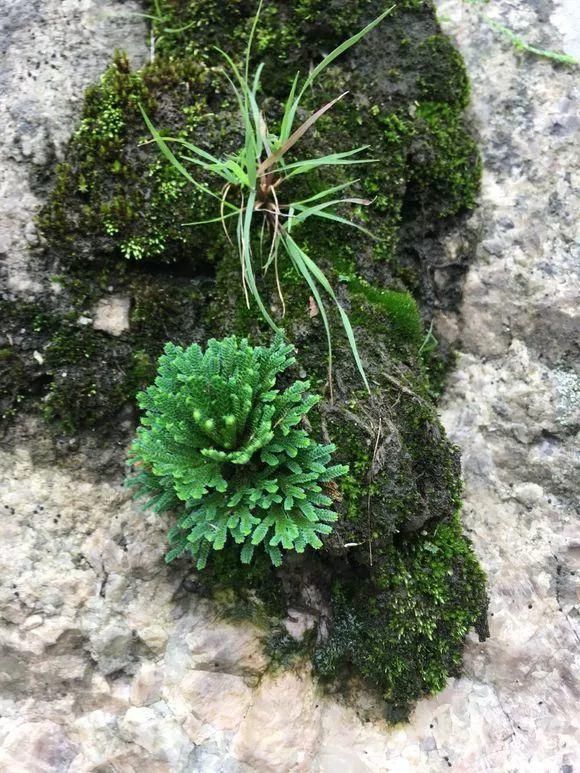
(399, 584)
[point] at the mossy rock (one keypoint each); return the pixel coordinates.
(114, 224)
(409, 621)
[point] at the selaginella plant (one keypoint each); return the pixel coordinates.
(223, 447)
(257, 176)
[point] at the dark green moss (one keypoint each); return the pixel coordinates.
(115, 197)
(447, 162)
(438, 363)
(403, 471)
(81, 378)
(407, 636)
(284, 650)
(89, 365)
(26, 327)
(443, 77)
(13, 382)
(253, 592)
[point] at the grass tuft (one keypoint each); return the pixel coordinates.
(253, 182)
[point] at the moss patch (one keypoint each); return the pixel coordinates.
(404, 630)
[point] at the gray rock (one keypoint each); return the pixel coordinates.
(111, 647)
(112, 315)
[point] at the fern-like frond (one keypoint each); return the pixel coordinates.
(222, 447)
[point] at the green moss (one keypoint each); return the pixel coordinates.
(115, 197)
(408, 637)
(447, 162)
(443, 76)
(401, 310)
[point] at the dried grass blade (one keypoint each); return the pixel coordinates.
(300, 132)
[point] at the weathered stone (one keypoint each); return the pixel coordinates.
(112, 315)
(265, 742)
(217, 699)
(160, 736)
(36, 747)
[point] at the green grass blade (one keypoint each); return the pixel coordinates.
(344, 46)
(242, 102)
(327, 192)
(244, 243)
(251, 41)
(335, 159)
(288, 117)
(239, 232)
(256, 116)
(242, 93)
(329, 158)
(320, 211)
(251, 153)
(178, 30)
(339, 50)
(302, 169)
(253, 137)
(297, 135)
(243, 85)
(173, 160)
(296, 256)
(323, 281)
(199, 162)
(215, 219)
(220, 169)
(319, 276)
(203, 154)
(240, 175)
(144, 16)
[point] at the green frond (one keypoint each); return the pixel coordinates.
(220, 446)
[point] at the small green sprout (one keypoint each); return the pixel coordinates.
(521, 45)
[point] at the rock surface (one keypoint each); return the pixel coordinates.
(112, 315)
(108, 663)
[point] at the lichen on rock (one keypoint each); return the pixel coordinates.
(114, 224)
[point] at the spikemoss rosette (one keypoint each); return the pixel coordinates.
(222, 446)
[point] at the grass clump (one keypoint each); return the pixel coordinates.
(220, 444)
(258, 174)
